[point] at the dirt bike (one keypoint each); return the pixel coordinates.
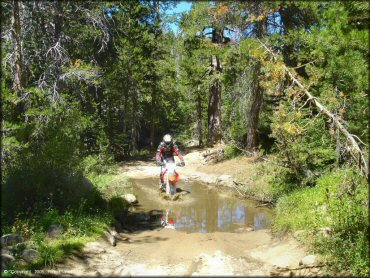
(167, 221)
(170, 176)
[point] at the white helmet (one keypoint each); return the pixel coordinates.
(167, 139)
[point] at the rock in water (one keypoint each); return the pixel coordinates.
(130, 198)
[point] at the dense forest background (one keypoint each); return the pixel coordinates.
(89, 83)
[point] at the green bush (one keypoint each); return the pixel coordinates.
(339, 201)
(138, 153)
(117, 206)
(302, 146)
(80, 227)
(231, 151)
(31, 189)
(93, 164)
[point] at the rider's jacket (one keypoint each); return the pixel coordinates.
(165, 152)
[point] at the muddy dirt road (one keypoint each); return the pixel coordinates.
(224, 236)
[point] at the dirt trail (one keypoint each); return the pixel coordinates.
(168, 252)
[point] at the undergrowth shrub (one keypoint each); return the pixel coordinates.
(231, 151)
(79, 228)
(340, 202)
(305, 150)
(93, 164)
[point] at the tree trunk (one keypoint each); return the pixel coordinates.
(135, 122)
(153, 119)
(58, 20)
(289, 23)
(58, 23)
(125, 121)
(199, 120)
(214, 104)
(214, 109)
(256, 98)
(16, 34)
(155, 90)
(254, 112)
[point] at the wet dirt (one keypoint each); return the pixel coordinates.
(204, 232)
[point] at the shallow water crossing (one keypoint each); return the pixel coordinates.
(205, 209)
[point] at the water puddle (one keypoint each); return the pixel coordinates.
(208, 210)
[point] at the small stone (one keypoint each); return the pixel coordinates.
(131, 209)
(10, 239)
(130, 198)
(111, 239)
(94, 248)
(87, 184)
(7, 258)
(5, 250)
(224, 177)
(55, 231)
(244, 229)
(31, 244)
(309, 260)
(326, 231)
(207, 179)
(30, 255)
(298, 234)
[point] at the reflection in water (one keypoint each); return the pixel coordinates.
(209, 212)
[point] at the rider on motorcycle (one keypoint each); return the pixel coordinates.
(165, 152)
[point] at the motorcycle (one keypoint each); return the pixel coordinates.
(170, 177)
(167, 220)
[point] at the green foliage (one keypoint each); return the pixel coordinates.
(95, 165)
(141, 153)
(231, 151)
(302, 145)
(117, 206)
(339, 201)
(79, 229)
(303, 209)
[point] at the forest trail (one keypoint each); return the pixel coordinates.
(170, 252)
